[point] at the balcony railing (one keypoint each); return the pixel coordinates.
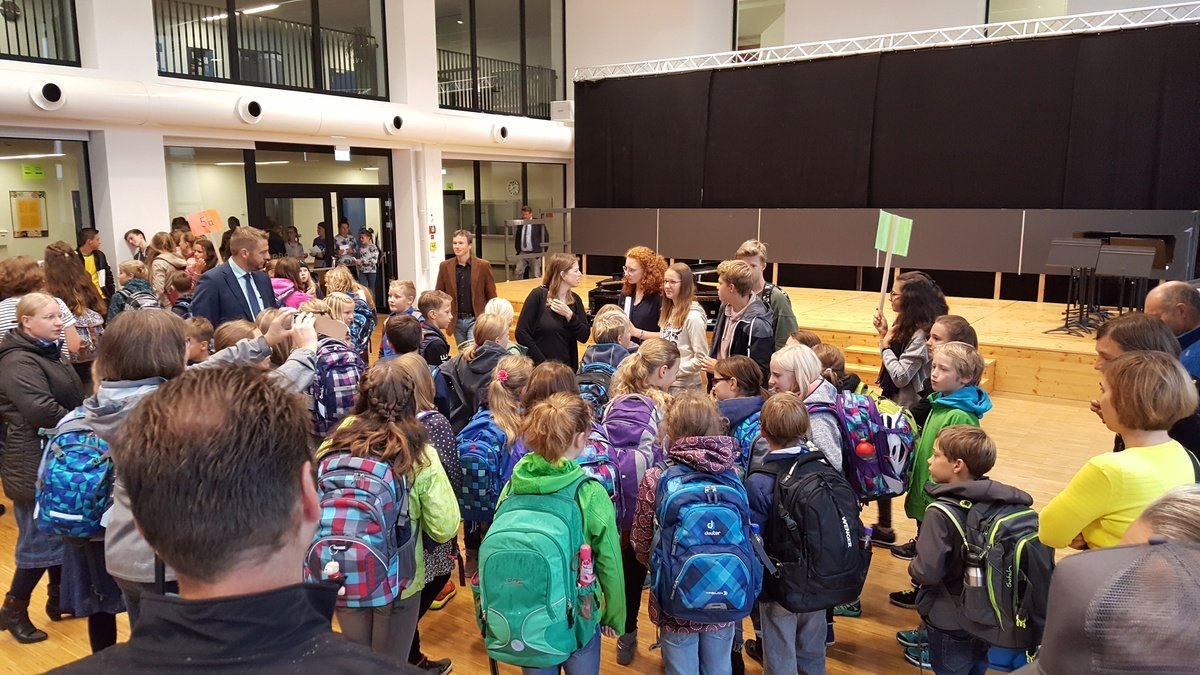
(39, 30)
(499, 85)
(193, 40)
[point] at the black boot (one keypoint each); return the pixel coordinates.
(14, 618)
(53, 604)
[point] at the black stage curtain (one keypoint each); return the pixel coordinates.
(1096, 121)
(791, 135)
(643, 139)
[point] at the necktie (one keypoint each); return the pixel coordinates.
(251, 296)
(527, 238)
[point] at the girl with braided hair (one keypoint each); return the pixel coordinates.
(384, 425)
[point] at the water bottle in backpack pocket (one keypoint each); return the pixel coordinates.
(702, 561)
(75, 480)
(630, 425)
(867, 454)
(483, 453)
(527, 594)
(813, 536)
(364, 528)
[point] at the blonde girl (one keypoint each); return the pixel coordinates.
(650, 371)
(340, 280)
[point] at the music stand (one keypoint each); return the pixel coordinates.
(1080, 256)
(1127, 262)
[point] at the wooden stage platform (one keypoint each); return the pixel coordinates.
(1022, 359)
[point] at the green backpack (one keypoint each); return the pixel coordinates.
(526, 593)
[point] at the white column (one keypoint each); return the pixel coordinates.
(129, 186)
(412, 53)
(117, 37)
(416, 182)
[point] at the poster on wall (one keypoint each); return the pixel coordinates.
(29, 213)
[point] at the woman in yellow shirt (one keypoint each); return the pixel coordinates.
(1142, 394)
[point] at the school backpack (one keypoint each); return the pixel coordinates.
(630, 425)
(428, 337)
(1009, 609)
(362, 327)
(594, 380)
(813, 536)
(751, 444)
(182, 307)
(876, 454)
(139, 299)
(483, 453)
(335, 386)
(75, 479)
(527, 592)
(364, 528)
(90, 326)
(703, 564)
(599, 462)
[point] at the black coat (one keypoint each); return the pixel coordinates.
(36, 389)
(548, 336)
(286, 630)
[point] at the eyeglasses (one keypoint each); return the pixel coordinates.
(721, 379)
(668, 282)
(630, 270)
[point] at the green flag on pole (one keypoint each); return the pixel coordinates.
(883, 233)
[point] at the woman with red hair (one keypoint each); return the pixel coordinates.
(641, 296)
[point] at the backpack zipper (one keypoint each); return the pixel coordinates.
(991, 542)
(1017, 610)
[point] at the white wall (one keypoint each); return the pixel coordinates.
(59, 212)
(620, 31)
(820, 20)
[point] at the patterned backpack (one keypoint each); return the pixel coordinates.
(75, 480)
(703, 564)
(362, 327)
(630, 426)
(364, 528)
(875, 454)
(139, 299)
(483, 453)
(748, 434)
(594, 380)
(335, 386)
(599, 462)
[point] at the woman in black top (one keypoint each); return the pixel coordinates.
(553, 321)
(643, 291)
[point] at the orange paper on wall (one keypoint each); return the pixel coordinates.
(204, 222)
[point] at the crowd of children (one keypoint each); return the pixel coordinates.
(728, 476)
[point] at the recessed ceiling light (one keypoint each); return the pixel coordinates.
(35, 156)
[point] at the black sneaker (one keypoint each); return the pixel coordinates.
(906, 599)
(906, 551)
(439, 667)
(753, 649)
(882, 536)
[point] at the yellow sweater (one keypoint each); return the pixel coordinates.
(1111, 491)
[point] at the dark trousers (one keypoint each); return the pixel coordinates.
(428, 595)
(635, 579)
(956, 652)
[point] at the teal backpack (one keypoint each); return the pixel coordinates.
(527, 596)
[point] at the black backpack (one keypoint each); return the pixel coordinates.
(813, 536)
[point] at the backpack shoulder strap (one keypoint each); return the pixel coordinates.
(952, 511)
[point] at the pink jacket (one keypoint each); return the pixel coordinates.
(286, 294)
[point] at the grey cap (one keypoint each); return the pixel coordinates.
(1127, 609)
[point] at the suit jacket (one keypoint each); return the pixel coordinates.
(483, 285)
(537, 237)
(102, 266)
(219, 298)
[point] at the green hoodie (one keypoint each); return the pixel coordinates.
(965, 406)
(534, 475)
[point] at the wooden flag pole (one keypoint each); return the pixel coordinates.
(887, 260)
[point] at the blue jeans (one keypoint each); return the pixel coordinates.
(703, 653)
(368, 279)
(957, 653)
(792, 643)
(585, 661)
(464, 329)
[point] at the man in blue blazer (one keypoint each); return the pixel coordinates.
(237, 288)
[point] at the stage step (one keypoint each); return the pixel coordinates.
(865, 362)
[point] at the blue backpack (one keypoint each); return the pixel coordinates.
(703, 561)
(594, 380)
(483, 453)
(75, 480)
(748, 434)
(362, 327)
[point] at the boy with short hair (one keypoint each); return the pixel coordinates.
(199, 333)
(960, 459)
(179, 293)
(436, 306)
(956, 399)
(612, 338)
(402, 334)
(754, 253)
(744, 322)
(402, 297)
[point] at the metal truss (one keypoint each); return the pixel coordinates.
(942, 37)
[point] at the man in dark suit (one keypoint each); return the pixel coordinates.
(237, 288)
(95, 262)
(531, 239)
(468, 281)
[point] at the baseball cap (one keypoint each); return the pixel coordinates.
(1126, 609)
